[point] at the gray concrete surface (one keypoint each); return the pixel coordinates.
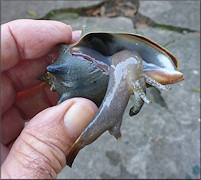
(172, 12)
(118, 23)
(163, 140)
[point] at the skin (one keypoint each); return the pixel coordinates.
(39, 149)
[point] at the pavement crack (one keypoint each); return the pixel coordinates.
(174, 28)
(170, 42)
(70, 13)
(146, 20)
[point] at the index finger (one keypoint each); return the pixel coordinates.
(30, 39)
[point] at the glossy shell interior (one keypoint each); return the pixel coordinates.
(108, 43)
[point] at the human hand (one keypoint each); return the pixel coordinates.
(39, 149)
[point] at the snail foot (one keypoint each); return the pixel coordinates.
(115, 131)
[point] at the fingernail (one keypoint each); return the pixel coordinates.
(77, 118)
(69, 26)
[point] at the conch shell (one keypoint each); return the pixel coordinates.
(107, 67)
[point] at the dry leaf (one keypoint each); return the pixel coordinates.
(32, 13)
(114, 13)
(96, 12)
(196, 90)
(127, 12)
(138, 24)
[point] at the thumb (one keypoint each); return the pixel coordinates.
(40, 150)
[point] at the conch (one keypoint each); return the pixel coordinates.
(107, 68)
